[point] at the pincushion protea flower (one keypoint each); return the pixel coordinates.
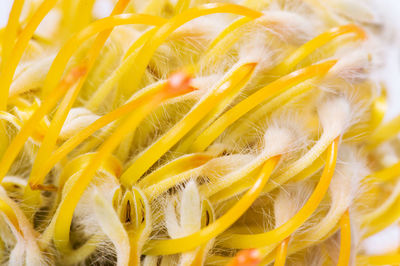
(193, 133)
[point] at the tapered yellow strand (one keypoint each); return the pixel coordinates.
(386, 174)
(30, 125)
(385, 132)
(65, 210)
(190, 242)
(182, 5)
(220, 44)
(9, 213)
(387, 259)
(129, 60)
(50, 139)
(182, 164)
(146, 159)
(60, 62)
(218, 108)
(51, 100)
(345, 240)
(10, 33)
(74, 193)
(161, 35)
(9, 67)
(75, 140)
(281, 253)
(282, 232)
(272, 89)
(306, 49)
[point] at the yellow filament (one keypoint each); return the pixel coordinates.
(222, 42)
(385, 132)
(345, 240)
(386, 259)
(50, 139)
(51, 100)
(206, 105)
(182, 5)
(190, 242)
(74, 193)
(11, 63)
(101, 25)
(390, 215)
(284, 83)
(182, 164)
(30, 125)
(9, 213)
(111, 166)
(162, 34)
(75, 140)
(82, 16)
(306, 49)
(387, 174)
(242, 184)
(75, 190)
(281, 253)
(282, 232)
(379, 107)
(379, 211)
(129, 58)
(247, 69)
(263, 110)
(11, 30)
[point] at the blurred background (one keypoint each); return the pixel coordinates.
(388, 12)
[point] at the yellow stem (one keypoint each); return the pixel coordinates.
(345, 240)
(9, 213)
(386, 259)
(272, 89)
(162, 34)
(280, 233)
(190, 242)
(206, 105)
(51, 137)
(222, 43)
(10, 64)
(290, 62)
(281, 253)
(104, 26)
(385, 132)
(82, 16)
(11, 30)
(387, 174)
(29, 127)
(187, 141)
(378, 110)
(72, 196)
(129, 59)
(74, 191)
(175, 167)
(181, 6)
(75, 140)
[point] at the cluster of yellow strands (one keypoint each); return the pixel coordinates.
(43, 111)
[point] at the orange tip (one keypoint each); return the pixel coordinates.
(247, 257)
(178, 83)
